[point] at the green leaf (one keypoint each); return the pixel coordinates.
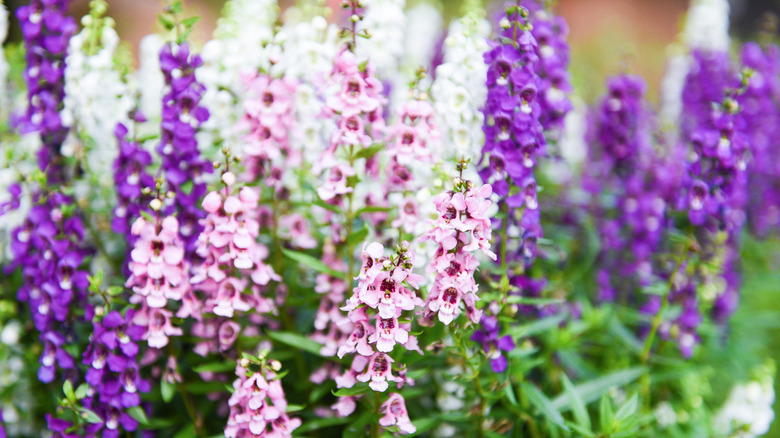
(578, 406)
(206, 387)
(167, 390)
(516, 299)
(320, 423)
(82, 390)
(67, 388)
(296, 340)
(373, 209)
(425, 424)
(311, 262)
(628, 409)
(138, 414)
(535, 327)
(189, 22)
(215, 367)
(115, 290)
(186, 431)
(358, 236)
(369, 151)
(581, 430)
(593, 389)
(295, 408)
(166, 22)
(510, 394)
(90, 416)
(606, 414)
(355, 390)
(541, 402)
(326, 206)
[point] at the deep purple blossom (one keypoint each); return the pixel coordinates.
(48, 249)
(550, 32)
(760, 106)
(182, 116)
(46, 30)
(628, 192)
(514, 137)
(493, 345)
(130, 177)
(113, 373)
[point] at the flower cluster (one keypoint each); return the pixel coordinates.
(159, 273)
(385, 22)
(239, 48)
(622, 168)
(513, 132)
(461, 228)
(182, 116)
(459, 87)
(268, 119)
(95, 110)
(113, 375)
(258, 407)
(229, 244)
(130, 178)
(48, 248)
(409, 148)
(375, 310)
(760, 106)
(46, 30)
(550, 32)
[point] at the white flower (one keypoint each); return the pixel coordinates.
(707, 25)
(149, 76)
(96, 99)
(748, 410)
(459, 91)
(707, 28)
(385, 20)
(240, 46)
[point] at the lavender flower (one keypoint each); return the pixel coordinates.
(46, 30)
(130, 177)
(550, 32)
(761, 108)
(514, 134)
(492, 344)
(48, 249)
(182, 116)
(113, 374)
(628, 197)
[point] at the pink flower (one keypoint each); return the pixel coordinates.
(344, 406)
(296, 230)
(358, 340)
(258, 407)
(378, 372)
(336, 184)
(387, 333)
(229, 298)
(158, 324)
(394, 409)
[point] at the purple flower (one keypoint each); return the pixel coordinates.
(182, 116)
(46, 31)
(492, 344)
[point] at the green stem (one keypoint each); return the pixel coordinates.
(474, 372)
(375, 425)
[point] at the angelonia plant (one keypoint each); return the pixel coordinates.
(365, 221)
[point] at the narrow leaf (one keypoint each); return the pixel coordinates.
(355, 390)
(578, 406)
(311, 262)
(296, 340)
(138, 414)
(167, 390)
(541, 402)
(593, 389)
